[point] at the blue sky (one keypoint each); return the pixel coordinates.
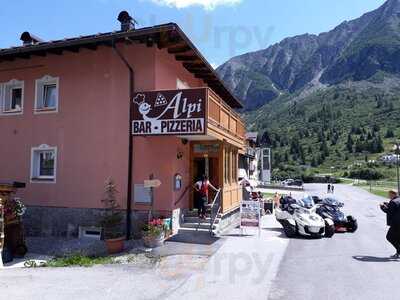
(219, 28)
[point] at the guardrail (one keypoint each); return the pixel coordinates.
(215, 209)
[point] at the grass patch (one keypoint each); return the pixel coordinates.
(78, 260)
(376, 191)
(379, 193)
(378, 188)
(347, 180)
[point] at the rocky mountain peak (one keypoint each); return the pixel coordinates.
(354, 50)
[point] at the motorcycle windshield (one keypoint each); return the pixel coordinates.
(331, 202)
(306, 201)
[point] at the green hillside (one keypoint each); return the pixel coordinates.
(333, 129)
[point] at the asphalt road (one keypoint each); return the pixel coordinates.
(348, 266)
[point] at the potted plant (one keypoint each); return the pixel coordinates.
(112, 219)
(154, 233)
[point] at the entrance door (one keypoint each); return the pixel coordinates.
(206, 166)
(199, 168)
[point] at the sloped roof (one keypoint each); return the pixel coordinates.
(169, 36)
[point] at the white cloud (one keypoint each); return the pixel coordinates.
(207, 4)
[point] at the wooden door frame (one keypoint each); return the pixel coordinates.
(202, 155)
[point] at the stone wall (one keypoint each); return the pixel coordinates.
(42, 221)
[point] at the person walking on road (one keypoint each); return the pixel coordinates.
(202, 187)
(332, 189)
(392, 210)
(329, 188)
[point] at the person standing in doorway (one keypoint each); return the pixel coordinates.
(392, 210)
(329, 188)
(202, 187)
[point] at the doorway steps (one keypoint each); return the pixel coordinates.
(192, 222)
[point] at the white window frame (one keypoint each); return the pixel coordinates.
(34, 154)
(39, 90)
(5, 91)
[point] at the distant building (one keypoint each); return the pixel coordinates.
(390, 158)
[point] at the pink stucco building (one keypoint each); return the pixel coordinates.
(65, 114)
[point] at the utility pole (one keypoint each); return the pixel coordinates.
(397, 151)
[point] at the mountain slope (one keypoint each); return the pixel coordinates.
(354, 50)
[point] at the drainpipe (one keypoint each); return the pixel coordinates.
(130, 139)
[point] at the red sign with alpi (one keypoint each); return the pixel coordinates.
(170, 112)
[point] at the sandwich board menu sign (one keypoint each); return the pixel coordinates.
(170, 112)
(250, 215)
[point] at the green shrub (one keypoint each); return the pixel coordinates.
(366, 174)
(78, 260)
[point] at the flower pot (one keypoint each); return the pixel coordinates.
(115, 245)
(153, 241)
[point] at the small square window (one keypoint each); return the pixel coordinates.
(43, 165)
(11, 100)
(46, 94)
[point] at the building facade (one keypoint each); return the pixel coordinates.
(67, 115)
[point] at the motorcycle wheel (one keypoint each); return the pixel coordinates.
(290, 230)
(329, 230)
(352, 224)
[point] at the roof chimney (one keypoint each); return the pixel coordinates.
(127, 22)
(30, 39)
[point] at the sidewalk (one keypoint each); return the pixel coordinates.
(249, 261)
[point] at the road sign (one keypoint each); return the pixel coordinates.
(250, 215)
(154, 183)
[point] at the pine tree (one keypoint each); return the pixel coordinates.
(310, 149)
(376, 127)
(314, 162)
(359, 146)
(389, 133)
(349, 143)
(324, 149)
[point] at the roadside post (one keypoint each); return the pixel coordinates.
(151, 184)
(1, 231)
(250, 215)
(397, 152)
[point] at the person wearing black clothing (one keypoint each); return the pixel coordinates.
(392, 210)
(202, 187)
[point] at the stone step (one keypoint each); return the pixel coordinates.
(196, 225)
(190, 229)
(194, 213)
(197, 220)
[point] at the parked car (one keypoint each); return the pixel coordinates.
(292, 182)
(296, 182)
(287, 182)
